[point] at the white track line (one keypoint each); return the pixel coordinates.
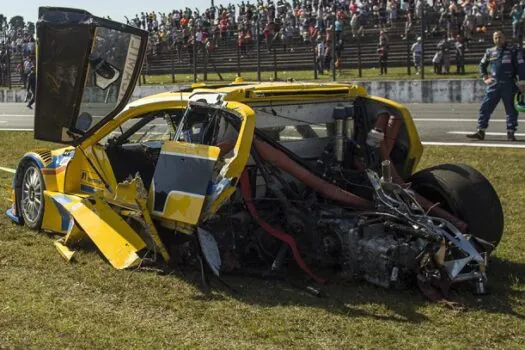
(9, 170)
(474, 144)
(455, 120)
(486, 133)
(14, 129)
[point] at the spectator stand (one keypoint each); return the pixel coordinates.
(356, 47)
(276, 36)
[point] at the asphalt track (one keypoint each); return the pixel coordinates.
(437, 123)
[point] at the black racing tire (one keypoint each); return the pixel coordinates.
(30, 197)
(466, 193)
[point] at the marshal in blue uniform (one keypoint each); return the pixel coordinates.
(505, 62)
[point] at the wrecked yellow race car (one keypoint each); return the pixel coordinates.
(241, 177)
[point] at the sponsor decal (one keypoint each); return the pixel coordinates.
(87, 179)
(129, 66)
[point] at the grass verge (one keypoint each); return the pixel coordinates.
(394, 73)
(49, 303)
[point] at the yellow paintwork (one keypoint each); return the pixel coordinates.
(132, 196)
(81, 175)
(107, 229)
(52, 220)
(181, 206)
(67, 253)
(244, 140)
(126, 193)
(416, 147)
(210, 152)
(150, 227)
(254, 93)
(100, 160)
(235, 165)
(83, 181)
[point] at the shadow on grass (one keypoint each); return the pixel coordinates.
(353, 299)
(360, 299)
(505, 289)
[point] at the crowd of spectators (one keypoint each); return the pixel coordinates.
(281, 21)
(19, 42)
(455, 22)
(279, 24)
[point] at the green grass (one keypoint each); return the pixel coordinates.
(394, 73)
(47, 303)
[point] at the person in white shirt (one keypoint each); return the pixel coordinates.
(320, 50)
(416, 50)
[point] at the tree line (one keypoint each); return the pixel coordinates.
(16, 22)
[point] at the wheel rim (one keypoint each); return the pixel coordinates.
(31, 195)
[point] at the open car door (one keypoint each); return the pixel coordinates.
(87, 68)
(199, 170)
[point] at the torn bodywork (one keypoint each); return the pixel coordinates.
(243, 177)
(238, 198)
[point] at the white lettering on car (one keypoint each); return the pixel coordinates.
(129, 66)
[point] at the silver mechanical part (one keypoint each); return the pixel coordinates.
(210, 250)
(395, 199)
(32, 195)
(339, 140)
(374, 138)
(385, 170)
(480, 287)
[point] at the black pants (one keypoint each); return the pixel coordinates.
(32, 100)
(383, 64)
(460, 65)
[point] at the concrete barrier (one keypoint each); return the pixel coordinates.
(413, 91)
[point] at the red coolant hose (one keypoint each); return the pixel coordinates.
(283, 162)
(275, 232)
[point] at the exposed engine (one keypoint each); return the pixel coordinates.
(345, 214)
(372, 251)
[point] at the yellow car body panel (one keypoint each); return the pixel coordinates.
(184, 190)
(115, 239)
(235, 166)
(83, 175)
(57, 219)
(53, 219)
(416, 147)
(100, 160)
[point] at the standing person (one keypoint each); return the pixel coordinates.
(506, 62)
(31, 87)
(382, 51)
(460, 55)
(320, 53)
(416, 50)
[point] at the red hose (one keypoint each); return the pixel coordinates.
(283, 162)
(280, 235)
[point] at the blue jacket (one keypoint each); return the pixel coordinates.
(505, 63)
